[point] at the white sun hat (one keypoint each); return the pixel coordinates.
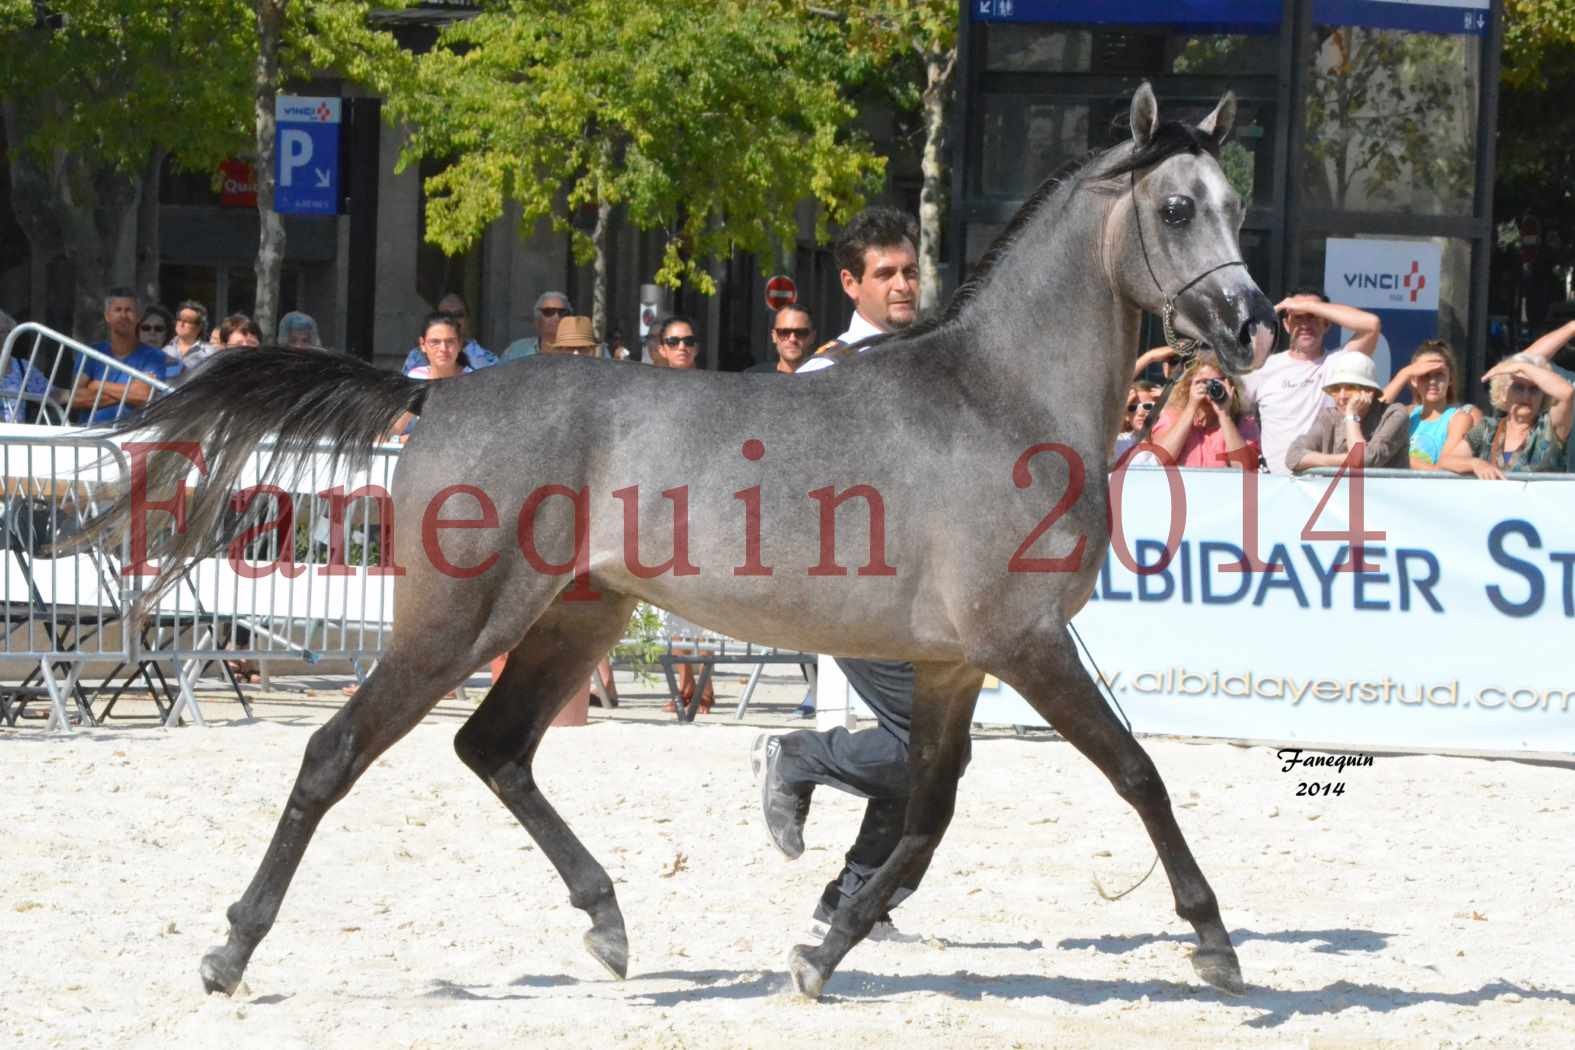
(1352, 369)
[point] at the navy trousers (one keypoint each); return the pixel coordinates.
(872, 764)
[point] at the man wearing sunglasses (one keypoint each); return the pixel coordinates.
(793, 334)
(551, 307)
(1141, 401)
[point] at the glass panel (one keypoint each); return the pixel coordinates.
(1025, 139)
(1225, 56)
(1053, 49)
(1391, 121)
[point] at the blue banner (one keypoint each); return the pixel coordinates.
(306, 156)
(1245, 16)
(1470, 17)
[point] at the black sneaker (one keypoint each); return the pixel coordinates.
(784, 810)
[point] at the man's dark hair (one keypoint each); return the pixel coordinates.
(1309, 289)
(120, 291)
(874, 227)
(776, 318)
(202, 316)
(238, 323)
(671, 319)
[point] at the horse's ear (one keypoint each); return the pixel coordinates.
(1219, 123)
(1145, 115)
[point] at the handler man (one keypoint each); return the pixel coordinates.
(880, 273)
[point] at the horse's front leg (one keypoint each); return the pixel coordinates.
(944, 698)
(1054, 681)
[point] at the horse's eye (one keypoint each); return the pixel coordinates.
(1177, 210)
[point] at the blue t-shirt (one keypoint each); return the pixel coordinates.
(1428, 435)
(145, 359)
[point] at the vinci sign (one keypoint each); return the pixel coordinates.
(1398, 281)
(306, 155)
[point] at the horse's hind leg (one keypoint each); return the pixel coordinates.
(1058, 687)
(396, 696)
(499, 742)
(943, 702)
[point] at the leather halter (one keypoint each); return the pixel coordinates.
(1186, 349)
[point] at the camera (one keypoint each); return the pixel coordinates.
(1216, 391)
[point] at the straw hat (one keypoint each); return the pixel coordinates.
(1352, 369)
(574, 333)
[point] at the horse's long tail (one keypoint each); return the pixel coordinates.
(306, 401)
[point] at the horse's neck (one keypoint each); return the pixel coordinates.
(1053, 322)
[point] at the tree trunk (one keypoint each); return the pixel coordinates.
(599, 271)
(149, 251)
(36, 208)
(270, 242)
(939, 68)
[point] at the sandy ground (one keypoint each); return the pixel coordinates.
(1430, 905)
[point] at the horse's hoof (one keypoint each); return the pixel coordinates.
(219, 975)
(806, 976)
(1218, 967)
(610, 948)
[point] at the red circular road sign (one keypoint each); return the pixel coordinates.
(781, 291)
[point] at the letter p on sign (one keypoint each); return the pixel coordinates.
(296, 150)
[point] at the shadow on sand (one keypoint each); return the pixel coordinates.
(1260, 1008)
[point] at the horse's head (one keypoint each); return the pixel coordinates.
(1179, 255)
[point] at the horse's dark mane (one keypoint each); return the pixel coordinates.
(1169, 139)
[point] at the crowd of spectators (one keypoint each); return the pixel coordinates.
(1310, 407)
(1307, 407)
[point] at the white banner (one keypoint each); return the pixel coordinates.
(1453, 639)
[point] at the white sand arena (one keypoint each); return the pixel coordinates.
(1430, 905)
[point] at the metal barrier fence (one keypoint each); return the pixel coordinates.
(51, 379)
(311, 588)
(61, 610)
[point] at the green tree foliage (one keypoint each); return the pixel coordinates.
(96, 92)
(911, 47)
(1536, 142)
(1539, 42)
(706, 119)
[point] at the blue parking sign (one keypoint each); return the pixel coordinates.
(306, 155)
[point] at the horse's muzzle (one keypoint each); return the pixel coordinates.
(1256, 336)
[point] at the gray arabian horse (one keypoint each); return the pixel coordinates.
(944, 446)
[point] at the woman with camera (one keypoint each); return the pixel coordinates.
(1200, 423)
(1384, 436)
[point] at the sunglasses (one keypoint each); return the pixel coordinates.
(792, 333)
(1520, 386)
(546, 311)
(681, 340)
(152, 327)
(188, 320)
(1133, 406)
